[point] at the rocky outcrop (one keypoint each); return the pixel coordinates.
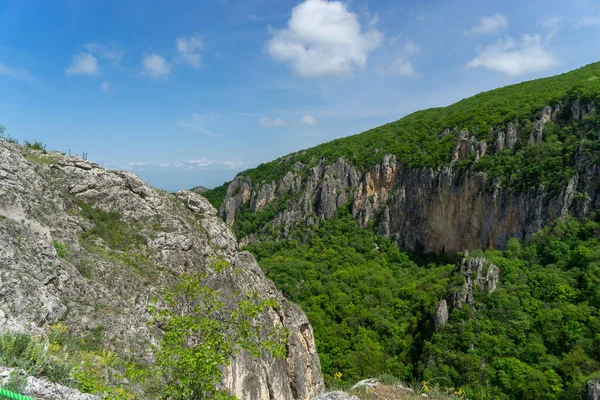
(91, 285)
(441, 315)
(593, 389)
(337, 395)
(425, 209)
(477, 272)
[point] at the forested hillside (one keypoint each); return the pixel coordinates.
(536, 336)
(417, 139)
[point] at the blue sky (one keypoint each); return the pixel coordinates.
(189, 93)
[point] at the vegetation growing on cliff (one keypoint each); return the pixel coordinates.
(535, 337)
(417, 139)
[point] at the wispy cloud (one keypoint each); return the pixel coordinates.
(198, 123)
(111, 51)
(106, 87)
(201, 164)
(552, 25)
(399, 67)
(16, 73)
(323, 38)
(83, 64)
(270, 122)
(189, 49)
(155, 66)
(588, 20)
(515, 58)
(491, 24)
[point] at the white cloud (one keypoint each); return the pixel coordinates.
(308, 120)
(106, 87)
(155, 66)
(268, 122)
(83, 64)
(491, 24)
(189, 49)
(323, 38)
(202, 164)
(398, 67)
(16, 73)
(513, 58)
(588, 20)
(112, 51)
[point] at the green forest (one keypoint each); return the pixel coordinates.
(537, 336)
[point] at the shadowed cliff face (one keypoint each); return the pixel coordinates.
(98, 283)
(451, 208)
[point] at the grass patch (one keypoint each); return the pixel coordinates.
(116, 233)
(46, 159)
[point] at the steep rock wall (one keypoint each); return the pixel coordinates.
(426, 209)
(93, 286)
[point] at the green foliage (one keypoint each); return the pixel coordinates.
(62, 250)
(535, 337)
(35, 145)
(74, 361)
(204, 329)
(368, 303)
(416, 139)
(216, 195)
(116, 233)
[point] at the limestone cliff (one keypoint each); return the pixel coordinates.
(96, 283)
(448, 208)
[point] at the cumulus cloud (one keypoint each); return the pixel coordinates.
(83, 64)
(111, 51)
(106, 87)
(155, 66)
(189, 49)
(270, 122)
(491, 24)
(515, 58)
(15, 73)
(398, 67)
(323, 38)
(308, 120)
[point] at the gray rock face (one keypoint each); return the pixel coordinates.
(441, 315)
(427, 209)
(593, 389)
(477, 272)
(337, 395)
(511, 136)
(43, 389)
(580, 109)
(91, 287)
